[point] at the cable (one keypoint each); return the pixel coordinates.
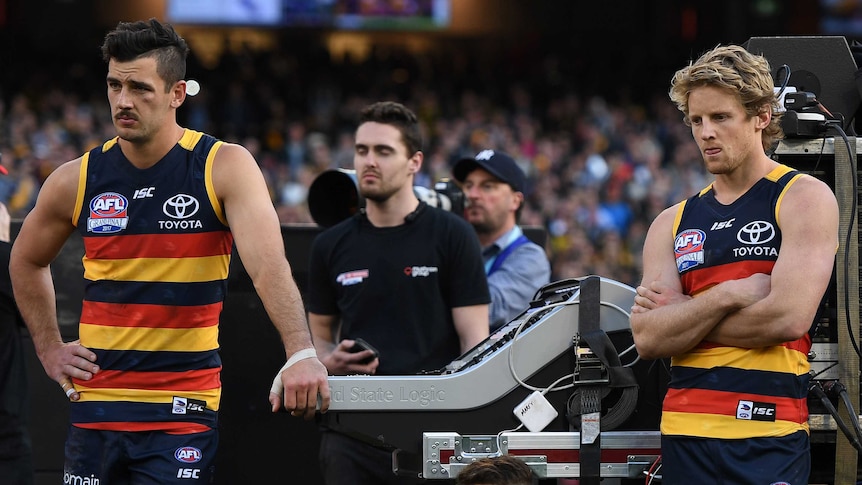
(854, 440)
(836, 387)
(814, 376)
(500, 438)
(518, 332)
(784, 67)
(854, 206)
(653, 470)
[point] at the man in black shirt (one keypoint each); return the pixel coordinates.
(16, 466)
(403, 276)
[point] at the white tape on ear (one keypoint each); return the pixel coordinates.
(277, 386)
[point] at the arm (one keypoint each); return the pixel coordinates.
(514, 284)
(664, 322)
(240, 187)
(471, 323)
(42, 235)
(337, 358)
(809, 236)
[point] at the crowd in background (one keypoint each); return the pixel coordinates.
(600, 165)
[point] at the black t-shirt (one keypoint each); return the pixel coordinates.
(396, 286)
(13, 368)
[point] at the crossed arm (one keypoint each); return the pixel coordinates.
(757, 311)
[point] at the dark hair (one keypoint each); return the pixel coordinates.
(399, 116)
(497, 470)
(131, 40)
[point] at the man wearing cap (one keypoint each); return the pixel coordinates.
(516, 267)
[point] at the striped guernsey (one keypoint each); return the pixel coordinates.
(157, 253)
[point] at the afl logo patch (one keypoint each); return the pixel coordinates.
(188, 454)
(108, 213)
(688, 247)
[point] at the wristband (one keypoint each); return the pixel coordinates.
(277, 386)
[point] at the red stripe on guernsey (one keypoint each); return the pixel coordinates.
(168, 427)
(199, 380)
(702, 401)
(159, 245)
(153, 316)
(695, 281)
(802, 344)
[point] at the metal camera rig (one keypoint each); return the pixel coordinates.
(573, 346)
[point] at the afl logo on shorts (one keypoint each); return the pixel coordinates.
(688, 248)
(108, 213)
(188, 454)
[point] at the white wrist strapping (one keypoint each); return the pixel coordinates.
(277, 386)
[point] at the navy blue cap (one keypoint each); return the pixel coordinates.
(497, 164)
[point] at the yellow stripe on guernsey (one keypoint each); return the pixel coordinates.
(172, 270)
(677, 218)
(771, 359)
(188, 141)
(150, 339)
(726, 427)
(82, 184)
(212, 396)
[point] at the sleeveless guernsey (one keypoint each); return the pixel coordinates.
(157, 252)
(726, 392)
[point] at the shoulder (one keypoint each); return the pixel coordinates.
(232, 155)
(65, 177)
(531, 249)
(808, 195)
(235, 171)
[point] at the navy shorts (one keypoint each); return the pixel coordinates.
(143, 457)
(753, 461)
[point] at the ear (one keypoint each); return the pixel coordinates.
(517, 200)
(414, 165)
(764, 117)
(178, 94)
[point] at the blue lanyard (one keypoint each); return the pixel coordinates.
(502, 255)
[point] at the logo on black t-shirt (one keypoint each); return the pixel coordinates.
(352, 277)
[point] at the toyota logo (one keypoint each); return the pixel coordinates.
(181, 206)
(756, 232)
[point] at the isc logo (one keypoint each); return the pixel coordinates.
(188, 473)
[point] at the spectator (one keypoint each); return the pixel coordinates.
(516, 267)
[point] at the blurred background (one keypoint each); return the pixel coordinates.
(576, 91)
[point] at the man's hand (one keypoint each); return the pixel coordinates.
(745, 291)
(657, 295)
(63, 361)
(298, 388)
(341, 361)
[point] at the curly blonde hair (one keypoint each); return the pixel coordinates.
(738, 71)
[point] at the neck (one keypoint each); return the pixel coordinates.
(392, 211)
(148, 153)
(730, 186)
(488, 238)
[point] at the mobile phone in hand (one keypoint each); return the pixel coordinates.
(359, 345)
